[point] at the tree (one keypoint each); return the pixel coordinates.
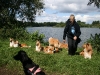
(96, 2)
(10, 10)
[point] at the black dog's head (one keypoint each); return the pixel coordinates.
(22, 56)
(26, 62)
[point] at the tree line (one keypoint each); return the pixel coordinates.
(62, 24)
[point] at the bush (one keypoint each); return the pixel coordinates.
(20, 34)
(95, 41)
(17, 33)
(36, 36)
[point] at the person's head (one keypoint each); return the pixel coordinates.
(72, 18)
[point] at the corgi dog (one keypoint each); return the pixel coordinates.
(46, 49)
(87, 52)
(38, 46)
(15, 43)
(53, 42)
(63, 45)
(49, 50)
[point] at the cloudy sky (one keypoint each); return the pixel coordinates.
(60, 10)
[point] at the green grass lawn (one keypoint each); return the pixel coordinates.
(55, 64)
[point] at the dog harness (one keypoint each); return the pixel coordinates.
(34, 72)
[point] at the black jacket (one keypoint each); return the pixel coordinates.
(67, 30)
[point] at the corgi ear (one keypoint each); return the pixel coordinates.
(87, 44)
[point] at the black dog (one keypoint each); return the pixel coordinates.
(30, 68)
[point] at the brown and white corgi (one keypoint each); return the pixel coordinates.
(53, 42)
(49, 50)
(46, 49)
(87, 52)
(38, 46)
(15, 43)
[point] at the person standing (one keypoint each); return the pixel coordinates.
(72, 31)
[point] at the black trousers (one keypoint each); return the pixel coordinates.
(72, 46)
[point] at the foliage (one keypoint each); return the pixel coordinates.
(36, 24)
(17, 33)
(20, 33)
(95, 41)
(96, 24)
(11, 10)
(96, 3)
(82, 24)
(61, 24)
(36, 36)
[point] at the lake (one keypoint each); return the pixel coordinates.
(57, 32)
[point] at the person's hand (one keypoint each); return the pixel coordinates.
(75, 37)
(64, 41)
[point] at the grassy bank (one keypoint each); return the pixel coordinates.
(54, 64)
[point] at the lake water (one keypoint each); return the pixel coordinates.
(57, 32)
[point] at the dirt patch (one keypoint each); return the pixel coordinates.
(5, 71)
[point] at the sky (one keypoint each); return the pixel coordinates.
(60, 10)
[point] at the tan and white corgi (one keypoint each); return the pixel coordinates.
(87, 52)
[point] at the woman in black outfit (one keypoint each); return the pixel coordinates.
(72, 30)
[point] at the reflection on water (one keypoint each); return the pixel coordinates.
(58, 32)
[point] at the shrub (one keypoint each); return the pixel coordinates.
(36, 36)
(95, 41)
(21, 34)
(17, 33)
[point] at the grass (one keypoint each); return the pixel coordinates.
(55, 64)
